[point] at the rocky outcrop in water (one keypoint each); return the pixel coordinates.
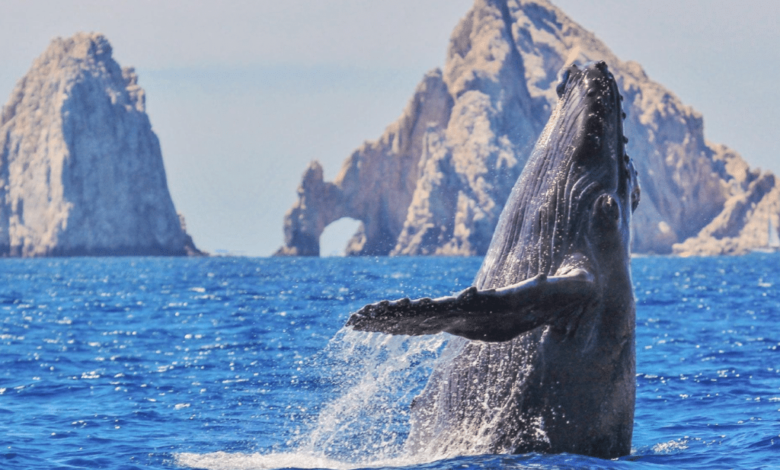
(376, 182)
(747, 216)
(81, 172)
(436, 181)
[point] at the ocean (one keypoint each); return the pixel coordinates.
(242, 363)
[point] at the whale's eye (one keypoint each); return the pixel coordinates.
(635, 197)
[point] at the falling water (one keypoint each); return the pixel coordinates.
(375, 377)
(380, 375)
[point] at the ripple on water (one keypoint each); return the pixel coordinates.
(240, 363)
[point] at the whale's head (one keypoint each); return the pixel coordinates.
(590, 123)
(578, 190)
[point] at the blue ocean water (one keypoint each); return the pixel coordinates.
(239, 363)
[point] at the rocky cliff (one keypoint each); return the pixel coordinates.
(81, 172)
(436, 181)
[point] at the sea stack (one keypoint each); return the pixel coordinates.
(436, 181)
(81, 171)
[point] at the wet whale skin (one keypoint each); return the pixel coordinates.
(544, 360)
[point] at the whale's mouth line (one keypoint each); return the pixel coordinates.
(591, 88)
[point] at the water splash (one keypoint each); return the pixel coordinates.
(374, 378)
(298, 460)
(258, 461)
(379, 377)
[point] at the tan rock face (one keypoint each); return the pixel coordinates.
(81, 172)
(743, 225)
(375, 184)
(468, 132)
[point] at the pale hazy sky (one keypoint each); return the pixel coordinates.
(243, 94)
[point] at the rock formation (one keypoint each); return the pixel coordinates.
(81, 172)
(744, 223)
(436, 181)
(375, 184)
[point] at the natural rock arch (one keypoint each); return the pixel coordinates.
(375, 185)
(437, 179)
(336, 239)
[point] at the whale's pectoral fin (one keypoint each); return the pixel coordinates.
(485, 315)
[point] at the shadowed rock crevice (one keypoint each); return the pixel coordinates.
(496, 91)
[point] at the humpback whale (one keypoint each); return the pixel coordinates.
(543, 358)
